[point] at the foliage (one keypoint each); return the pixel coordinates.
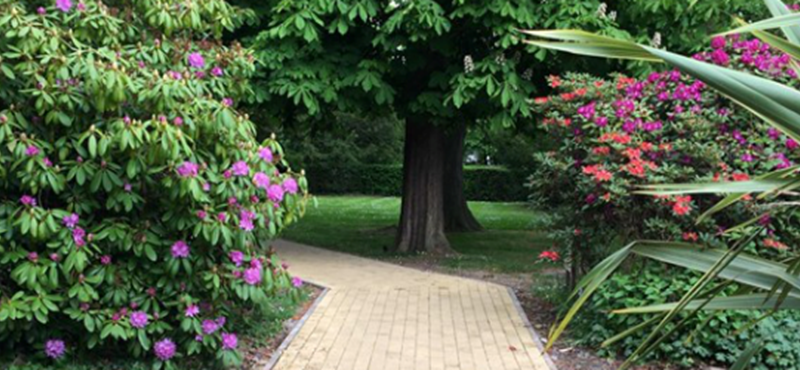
(129, 220)
(487, 183)
(438, 61)
(689, 345)
(771, 283)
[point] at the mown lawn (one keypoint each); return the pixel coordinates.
(366, 226)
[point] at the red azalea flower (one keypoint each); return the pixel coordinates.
(550, 255)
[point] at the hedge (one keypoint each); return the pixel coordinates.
(488, 183)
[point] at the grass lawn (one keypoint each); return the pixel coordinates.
(365, 226)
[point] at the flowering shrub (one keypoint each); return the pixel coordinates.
(135, 196)
(666, 128)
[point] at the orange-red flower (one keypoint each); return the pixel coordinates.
(541, 100)
(740, 176)
(601, 150)
(690, 236)
(772, 243)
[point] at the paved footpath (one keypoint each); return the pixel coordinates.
(380, 316)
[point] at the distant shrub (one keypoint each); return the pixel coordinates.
(487, 183)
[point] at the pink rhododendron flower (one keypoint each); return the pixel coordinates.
(178, 121)
(196, 60)
(275, 193)
(139, 319)
(64, 5)
(229, 341)
(33, 256)
(70, 221)
(202, 214)
(246, 220)
(55, 348)
(81, 6)
(297, 282)
(78, 235)
(261, 180)
(31, 150)
(47, 162)
(41, 10)
(209, 326)
(188, 169)
(105, 260)
(290, 185)
(216, 71)
(240, 168)
(228, 102)
(265, 154)
(192, 310)
(236, 257)
(165, 349)
(252, 276)
(28, 200)
(180, 249)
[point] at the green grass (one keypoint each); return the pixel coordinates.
(365, 226)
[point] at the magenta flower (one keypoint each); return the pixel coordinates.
(206, 187)
(196, 60)
(47, 162)
(236, 257)
(33, 256)
(227, 174)
(747, 157)
(178, 121)
(165, 349)
(221, 217)
(290, 185)
(139, 319)
(229, 341)
(718, 42)
(240, 168)
(64, 5)
(209, 326)
(78, 235)
(275, 193)
(297, 282)
(228, 102)
(246, 220)
(216, 71)
(201, 214)
(55, 348)
(791, 144)
(252, 276)
(180, 249)
(261, 180)
(105, 260)
(70, 221)
(192, 310)
(81, 6)
(28, 200)
(265, 154)
(188, 169)
(32, 150)
(41, 10)
(127, 187)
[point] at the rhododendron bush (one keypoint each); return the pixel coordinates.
(618, 133)
(135, 197)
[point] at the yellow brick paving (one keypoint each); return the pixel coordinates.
(379, 316)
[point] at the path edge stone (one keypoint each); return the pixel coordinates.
(536, 337)
(273, 360)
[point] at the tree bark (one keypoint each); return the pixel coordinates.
(421, 226)
(457, 216)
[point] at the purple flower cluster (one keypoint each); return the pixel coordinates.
(188, 169)
(55, 348)
(180, 249)
(265, 154)
(246, 218)
(261, 180)
(236, 257)
(165, 349)
(240, 168)
(275, 193)
(229, 341)
(139, 319)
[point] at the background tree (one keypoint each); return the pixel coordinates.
(439, 66)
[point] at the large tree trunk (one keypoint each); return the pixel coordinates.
(421, 226)
(457, 216)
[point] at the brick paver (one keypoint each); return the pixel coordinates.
(379, 316)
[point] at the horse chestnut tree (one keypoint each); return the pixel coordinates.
(134, 197)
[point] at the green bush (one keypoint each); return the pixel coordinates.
(134, 196)
(487, 183)
(653, 284)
